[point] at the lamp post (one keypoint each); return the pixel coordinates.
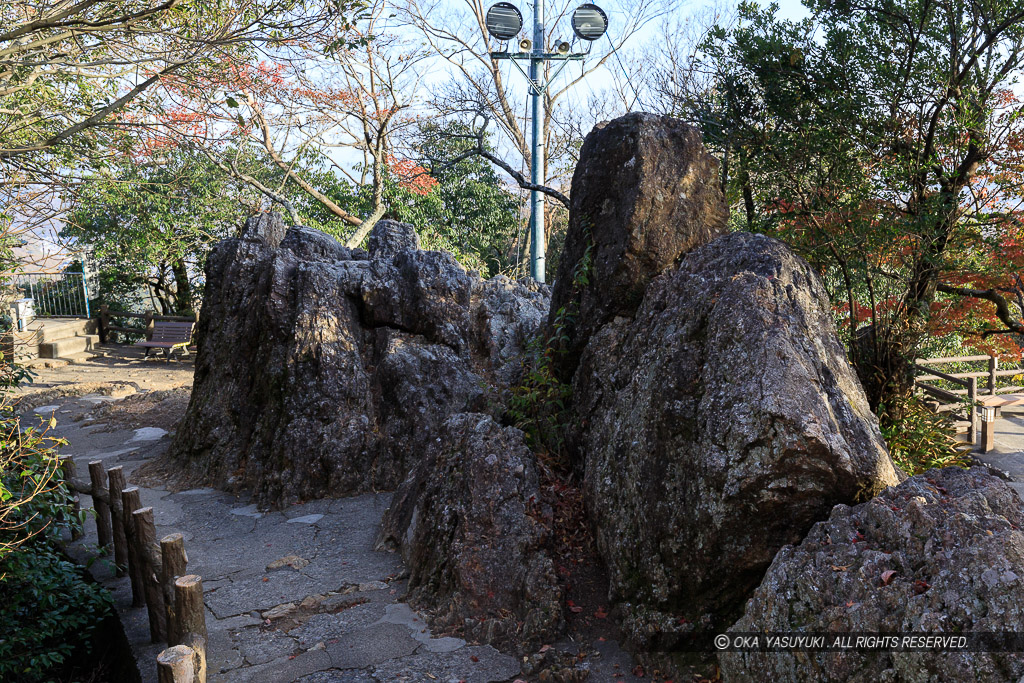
(504, 22)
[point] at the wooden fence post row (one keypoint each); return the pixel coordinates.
(173, 599)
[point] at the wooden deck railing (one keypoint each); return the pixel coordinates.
(966, 389)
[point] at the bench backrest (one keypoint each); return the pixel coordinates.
(169, 331)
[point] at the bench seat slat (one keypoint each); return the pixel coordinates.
(161, 345)
(1000, 400)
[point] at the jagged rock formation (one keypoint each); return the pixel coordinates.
(716, 417)
(324, 371)
(470, 524)
(644, 193)
(943, 553)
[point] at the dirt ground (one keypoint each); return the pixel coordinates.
(153, 391)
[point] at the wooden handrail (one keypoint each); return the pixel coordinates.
(950, 359)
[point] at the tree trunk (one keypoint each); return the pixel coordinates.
(183, 288)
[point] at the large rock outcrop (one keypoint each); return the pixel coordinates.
(644, 193)
(324, 371)
(719, 423)
(471, 526)
(941, 553)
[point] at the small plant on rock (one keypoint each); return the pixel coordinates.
(538, 405)
(919, 439)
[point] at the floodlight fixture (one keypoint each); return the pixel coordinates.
(504, 21)
(589, 22)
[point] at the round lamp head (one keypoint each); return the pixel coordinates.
(563, 48)
(525, 44)
(589, 22)
(504, 21)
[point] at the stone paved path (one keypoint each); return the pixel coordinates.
(294, 595)
(1008, 454)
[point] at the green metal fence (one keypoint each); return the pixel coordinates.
(64, 294)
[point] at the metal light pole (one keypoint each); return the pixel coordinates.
(504, 22)
(537, 146)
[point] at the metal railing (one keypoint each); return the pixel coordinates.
(55, 294)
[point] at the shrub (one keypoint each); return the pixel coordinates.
(47, 608)
(920, 440)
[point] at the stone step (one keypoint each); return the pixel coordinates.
(52, 329)
(68, 346)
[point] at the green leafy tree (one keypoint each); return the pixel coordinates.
(464, 208)
(152, 226)
(47, 609)
(878, 138)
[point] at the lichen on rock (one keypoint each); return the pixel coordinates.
(942, 553)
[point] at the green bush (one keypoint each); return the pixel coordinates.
(47, 608)
(920, 440)
(538, 405)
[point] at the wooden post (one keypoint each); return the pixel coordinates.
(116, 485)
(145, 538)
(191, 615)
(993, 365)
(174, 560)
(104, 323)
(130, 502)
(103, 529)
(70, 471)
(176, 665)
(972, 394)
(988, 429)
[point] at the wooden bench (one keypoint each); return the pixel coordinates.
(168, 336)
(990, 406)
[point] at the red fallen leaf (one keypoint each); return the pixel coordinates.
(638, 671)
(490, 595)
(575, 609)
(887, 576)
(474, 659)
(850, 603)
(600, 613)
(921, 586)
(682, 621)
(265, 579)
(291, 656)
(601, 639)
(544, 648)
